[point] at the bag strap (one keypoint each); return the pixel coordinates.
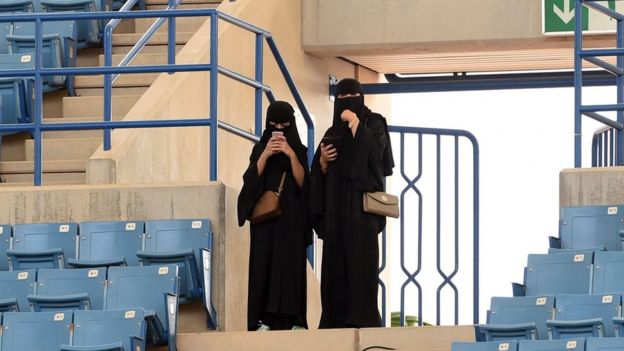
(281, 186)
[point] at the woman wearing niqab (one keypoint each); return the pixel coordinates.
(277, 256)
(353, 158)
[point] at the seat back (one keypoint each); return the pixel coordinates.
(582, 307)
(36, 331)
(88, 30)
(108, 240)
(5, 244)
(589, 226)
(510, 345)
(16, 6)
(169, 236)
(552, 345)
(608, 272)
(41, 237)
(17, 93)
(5, 29)
(559, 273)
(131, 287)
(516, 310)
(58, 282)
(18, 285)
(604, 344)
(106, 327)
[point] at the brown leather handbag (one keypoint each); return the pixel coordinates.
(268, 206)
(381, 203)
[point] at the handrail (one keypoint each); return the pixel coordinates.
(38, 127)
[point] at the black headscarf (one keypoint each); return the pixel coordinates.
(355, 104)
(280, 112)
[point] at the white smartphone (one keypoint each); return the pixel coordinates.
(277, 134)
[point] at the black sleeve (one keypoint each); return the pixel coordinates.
(377, 124)
(303, 159)
(317, 194)
(252, 186)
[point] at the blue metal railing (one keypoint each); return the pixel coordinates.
(592, 56)
(412, 184)
(38, 127)
(604, 151)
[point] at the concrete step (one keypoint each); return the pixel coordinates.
(150, 49)
(129, 39)
(77, 119)
(27, 167)
(141, 59)
(64, 149)
(125, 80)
(79, 134)
(183, 24)
(116, 91)
(82, 106)
(48, 179)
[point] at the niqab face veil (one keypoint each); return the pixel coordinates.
(281, 112)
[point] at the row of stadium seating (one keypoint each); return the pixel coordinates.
(103, 244)
(591, 344)
(152, 288)
(554, 317)
(572, 292)
(574, 272)
(120, 330)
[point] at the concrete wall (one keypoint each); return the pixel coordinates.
(360, 27)
(173, 155)
(591, 186)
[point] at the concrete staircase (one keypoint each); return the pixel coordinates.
(65, 154)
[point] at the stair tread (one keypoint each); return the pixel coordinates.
(53, 166)
(129, 39)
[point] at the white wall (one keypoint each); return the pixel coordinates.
(526, 139)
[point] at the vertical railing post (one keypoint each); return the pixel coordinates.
(172, 36)
(259, 78)
(108, 85)
(619, 153)
(578, 82)
(214, 79)
(475, 230)
(38, 169)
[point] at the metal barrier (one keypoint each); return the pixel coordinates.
(592, 56)
(412, 183)
(604, 151)
(38, 127)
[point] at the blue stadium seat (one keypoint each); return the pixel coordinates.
(88, 30)
(552, 345)
(604, 344)
(104, 244)
(558, 273)
(485, 346)
(59, 49)
(69, 289)
(108, 330)
(608, 272)
(12, 6)
(35, 331)
(5, 29)
(42, 245)
(155, 289)
(17, 93)
(518, 318)
(14, 288)
(586, 250)
(5, 244)
(580, 316)
(179, 242)
(589, 226)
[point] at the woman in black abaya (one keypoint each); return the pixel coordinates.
(277, 257)
(353, 158)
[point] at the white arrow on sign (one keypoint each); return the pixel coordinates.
(567, 14)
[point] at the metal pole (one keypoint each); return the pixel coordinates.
(172, 36)
(214, 79)
(108, 84)
(38, 174)
(259, 78)
(619, 153)
(578, 82)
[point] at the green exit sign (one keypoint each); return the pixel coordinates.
(558, 17)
